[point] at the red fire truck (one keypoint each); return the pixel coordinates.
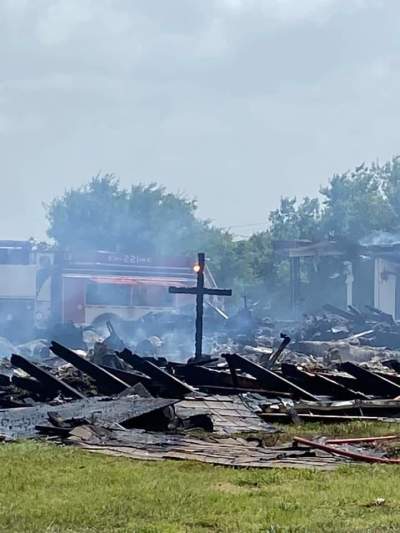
(39, 284)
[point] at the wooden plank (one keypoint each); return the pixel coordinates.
(267, 378)
(49, 381)
(374, 384)
(105, 381)
(172, 386)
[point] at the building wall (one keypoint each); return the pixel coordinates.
(385, 286)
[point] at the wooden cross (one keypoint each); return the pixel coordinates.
(200, 291)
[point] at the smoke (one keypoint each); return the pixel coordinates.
(380, 238)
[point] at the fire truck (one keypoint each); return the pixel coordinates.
(40, 285)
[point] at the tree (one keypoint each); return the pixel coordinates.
(296, 221)
(352, 206)
(146, 219)
(355, 204)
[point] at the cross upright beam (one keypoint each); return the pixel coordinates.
(200, 291)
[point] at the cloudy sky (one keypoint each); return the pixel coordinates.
(235, 102)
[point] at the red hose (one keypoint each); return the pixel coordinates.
(345, 453)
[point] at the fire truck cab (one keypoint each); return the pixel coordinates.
(40, 285)
(20, 306)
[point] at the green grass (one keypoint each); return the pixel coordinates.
(317, 429)
(45, 488)
(355, 428)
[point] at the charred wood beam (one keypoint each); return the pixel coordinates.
(132, 378)
(221, 382)
(340, 391)
(4, 380)
(234, 375)
(357, 313)
(269, 361)
(172, 386)
(318, 384)
(340, 312)
(378, 314)
(106, 383)
(199, 376)
(394, 364)
(343, 378)
(275, 356)
(267, 378)
(302, 378)
(31, 385)
(391, 377)
(49, 381)
(374, 384)
(215, 389)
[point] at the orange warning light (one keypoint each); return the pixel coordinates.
(197, 268)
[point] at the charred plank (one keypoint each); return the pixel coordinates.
(340, 312)
(394, 364)
(4, 380)
(105, 381)
(31, 385)
(172, 386)
(319, 384)
(267, 378)
(371, 382)
(199, 376)
(48, 381)
(132, 378)
(269, 362)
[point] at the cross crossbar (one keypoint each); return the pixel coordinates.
(194, 290)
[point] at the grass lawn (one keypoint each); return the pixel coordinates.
(46, 488)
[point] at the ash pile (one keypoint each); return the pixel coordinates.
(221, 408)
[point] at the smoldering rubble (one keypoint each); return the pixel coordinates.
(112, 397)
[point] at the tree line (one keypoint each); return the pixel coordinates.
(147, 219)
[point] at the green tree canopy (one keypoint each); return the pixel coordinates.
(146, 219)
(351, 206)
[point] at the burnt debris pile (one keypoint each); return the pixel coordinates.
(371, 326)
(218, 408)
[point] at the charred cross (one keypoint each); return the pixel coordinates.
(200, 291)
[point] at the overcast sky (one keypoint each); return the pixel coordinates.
(235, 102)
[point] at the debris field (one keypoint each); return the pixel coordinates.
(218, 408)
